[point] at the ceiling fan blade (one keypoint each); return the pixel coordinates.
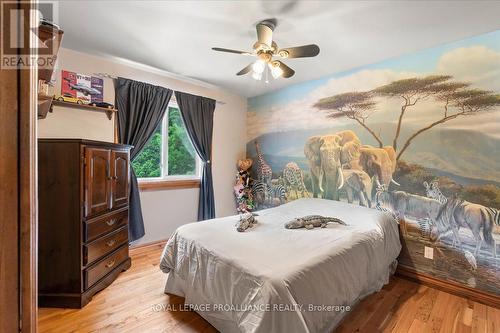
(304, 51)
(245, 70)
(264, 34)
(287, 71)
(231, 51)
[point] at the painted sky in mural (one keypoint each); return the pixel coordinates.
(475, 60)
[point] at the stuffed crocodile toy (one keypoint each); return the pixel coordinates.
(246, 221)
(312, 221)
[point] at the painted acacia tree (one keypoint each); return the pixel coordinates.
(411, 91)
(357, 106)
(457, 98)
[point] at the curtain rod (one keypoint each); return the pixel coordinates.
(109, 76)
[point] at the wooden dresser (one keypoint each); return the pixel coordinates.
(83, 195)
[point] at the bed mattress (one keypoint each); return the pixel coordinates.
(272, 279)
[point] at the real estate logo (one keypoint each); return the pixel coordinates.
(25, 42)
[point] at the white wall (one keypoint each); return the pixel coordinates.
(163, 210)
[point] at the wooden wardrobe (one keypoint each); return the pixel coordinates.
(83, 193)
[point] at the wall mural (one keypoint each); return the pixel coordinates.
(418, 136)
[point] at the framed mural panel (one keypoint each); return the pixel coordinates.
(418, 136)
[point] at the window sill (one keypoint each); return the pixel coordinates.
(169, 184)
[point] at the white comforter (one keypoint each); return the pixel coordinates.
(272, 279)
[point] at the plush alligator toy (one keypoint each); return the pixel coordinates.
(312, 221)
(246, 221)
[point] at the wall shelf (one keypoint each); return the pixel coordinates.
(44, 105)
(109, 112)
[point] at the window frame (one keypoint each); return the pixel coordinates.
(166, 180)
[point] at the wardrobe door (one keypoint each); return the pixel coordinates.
(97, 181)
(120, 171)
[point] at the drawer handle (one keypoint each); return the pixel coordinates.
(110, 264)
(111, 222)
(111, 243)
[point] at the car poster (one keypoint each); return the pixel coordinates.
(80, 87)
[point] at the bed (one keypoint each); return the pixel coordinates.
(272, 279)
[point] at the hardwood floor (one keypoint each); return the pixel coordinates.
(127, 306)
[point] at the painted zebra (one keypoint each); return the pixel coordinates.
(265, 194)
(495, 215)
(260, 192)
(432, 191)
(378, 204)
(277, 191)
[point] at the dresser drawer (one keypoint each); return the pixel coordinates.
(102, 225)
(105, 245)
(104, 266)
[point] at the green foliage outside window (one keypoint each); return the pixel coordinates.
(148, 163)
(181, 154)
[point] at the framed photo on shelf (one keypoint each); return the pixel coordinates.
(84, 88)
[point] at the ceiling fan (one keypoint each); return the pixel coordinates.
(265, 49)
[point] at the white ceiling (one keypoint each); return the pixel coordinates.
(177, 36)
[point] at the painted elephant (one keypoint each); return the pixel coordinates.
(311, 151)
(378, 163)
(357, 183)
(392, 156)
(350, 146)
(348, 136)
(324, 154)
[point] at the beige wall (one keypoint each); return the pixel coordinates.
(163, 210)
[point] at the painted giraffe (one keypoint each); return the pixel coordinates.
(294, 180)
(264, 171)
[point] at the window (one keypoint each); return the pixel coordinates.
(169, 153)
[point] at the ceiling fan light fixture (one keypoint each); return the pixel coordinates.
(257, 76)
(265, 49)
(283, 53)
(258, 67)
(276, 71)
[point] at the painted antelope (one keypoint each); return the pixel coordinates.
(457, 213)
(403, 204)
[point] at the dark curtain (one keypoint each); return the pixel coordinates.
(198, 115)
(141, 107)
